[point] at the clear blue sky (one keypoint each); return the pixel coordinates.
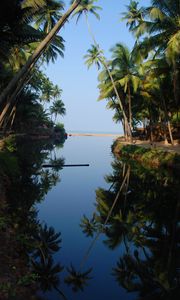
(79, 85)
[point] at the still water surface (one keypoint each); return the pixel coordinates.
(64, 207)
(119, 224)
(136, 256)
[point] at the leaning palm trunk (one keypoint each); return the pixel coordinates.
(104, 63)
(125, 182)
(11, 103)
(23, 72)
(127, 127)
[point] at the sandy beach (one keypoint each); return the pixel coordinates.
(145, 144)
(95, 134)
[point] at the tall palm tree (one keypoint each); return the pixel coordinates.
(123, 62)
(86, 7)
(95, 55)
(19, 79)
(58, 109)
(107, 92)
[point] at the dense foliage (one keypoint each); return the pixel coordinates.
(23, 25)
(142, 84)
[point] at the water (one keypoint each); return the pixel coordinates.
(96, 132)
(66, 204)
(119, 224)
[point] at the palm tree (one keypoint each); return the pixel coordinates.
(48, 275)
(95, 55)
(161, 70)
(19, 79)
(107, 92)
(77, 279)
(89, 226)
(56, 91)
(45, 19)
(124, 62)
(48, 15)
(85, 7)
(159, 26)
(133, 16)
(58, 109)
(48, 241)
(16, 33)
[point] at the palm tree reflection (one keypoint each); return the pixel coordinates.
(78, 280)
(140, 212)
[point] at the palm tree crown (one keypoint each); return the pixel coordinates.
(87, 6)
(94, 56)
(58, 108)
(158, 25)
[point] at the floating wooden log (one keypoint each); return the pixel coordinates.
(74, 165)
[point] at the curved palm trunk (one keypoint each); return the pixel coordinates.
(90, 31)
(107, 218)
(104, 63)
(11, 102)
(127, 127)
(22, 73)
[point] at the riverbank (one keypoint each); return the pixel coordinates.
(155, 155)
(146, 144)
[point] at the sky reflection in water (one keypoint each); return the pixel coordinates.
(139, 245)
(64, 207)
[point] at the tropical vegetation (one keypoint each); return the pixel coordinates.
(29, 38)
(142, 85)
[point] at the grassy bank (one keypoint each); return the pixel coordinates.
(150, 156)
